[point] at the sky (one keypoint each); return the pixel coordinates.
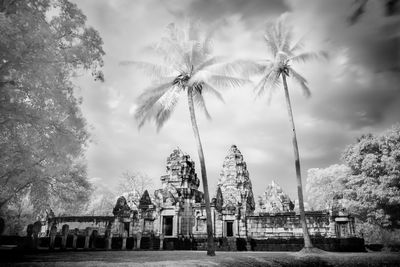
(355, 91)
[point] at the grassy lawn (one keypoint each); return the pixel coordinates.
(196, 258)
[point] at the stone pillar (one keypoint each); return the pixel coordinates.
(161, 241)
(53, 233)
(138, 239)
(29, 238)
(37, 227)
(175, 222)
(87, 237)
(124, 236)
(75, 238)
(248, 244)
(94, 238)
(108, 239)
(64, 232)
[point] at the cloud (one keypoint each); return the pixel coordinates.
(356, 91)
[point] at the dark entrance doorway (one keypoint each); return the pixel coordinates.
(167, 225)
(126, 227)
(229, 228)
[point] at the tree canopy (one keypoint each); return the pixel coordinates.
(368, 183)
(43, 134)
(187, 62)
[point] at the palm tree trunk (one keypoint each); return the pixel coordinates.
(210, 238)
(306, 235)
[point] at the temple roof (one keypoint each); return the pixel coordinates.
(234, 181)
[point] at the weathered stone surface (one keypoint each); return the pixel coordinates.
(234, 182)
(180, 182)
(145, 201)
(121, 208)
(180, 171)
(274, 200)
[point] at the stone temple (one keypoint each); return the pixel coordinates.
(176, 212)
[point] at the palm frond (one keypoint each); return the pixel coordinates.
(208, 62)
(306, 56)
(297, 46)
(270, 41)
(227, 81)
(153, 71)
(207, 88)
(166, 106)
(208, 42)
(199, 101)
(301, 80)
(242, 67)
(268, 84)
(147, 102)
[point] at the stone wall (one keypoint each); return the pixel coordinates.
(287, 225)
(99, 223)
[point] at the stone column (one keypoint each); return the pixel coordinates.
(248, 244)
(75, 238)
(161, 241)
(37, 227)
(64, 232)
(94, 238)
(124, 236)
(175, 222)
(53, 233)
(108, 238)
(29, 238)
(138, 239)
(88, 231)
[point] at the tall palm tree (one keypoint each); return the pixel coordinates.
(279, 40)
(188, 68)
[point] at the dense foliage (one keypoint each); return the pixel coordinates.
(43, 44)
(374, 184)
(368, 185)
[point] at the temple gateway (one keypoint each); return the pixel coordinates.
(175, 215)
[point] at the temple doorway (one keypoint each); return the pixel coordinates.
(229, 228)
(167, 225)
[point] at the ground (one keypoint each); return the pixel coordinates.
(196, 258)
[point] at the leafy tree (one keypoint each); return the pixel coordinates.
(368, 185)
(374, 185)
(133, 185)
(43, 44)
(101, 202)
(279, 40)
(324, 185)
(188, 68)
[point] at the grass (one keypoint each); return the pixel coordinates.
(196, 258)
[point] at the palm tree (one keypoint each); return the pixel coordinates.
(279, 40)
(188, 68)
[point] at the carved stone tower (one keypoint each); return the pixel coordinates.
(234, 185)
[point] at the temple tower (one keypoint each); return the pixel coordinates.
(234, 199)
(275, 200)
(178, 195)
(234, 182)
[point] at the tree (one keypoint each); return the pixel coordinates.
(374, 185)
(279, 40)
(324, 185)
(367, 185)
(189, 68)
(102, 201)
(133, 185)
(43, 44)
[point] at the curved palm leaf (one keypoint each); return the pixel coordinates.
(199, 101)
(207, 88)
(152, 70)
(147, 102)
(300, 80)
